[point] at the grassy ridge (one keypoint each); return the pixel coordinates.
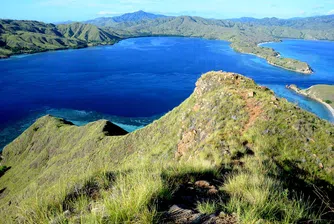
(232, 149)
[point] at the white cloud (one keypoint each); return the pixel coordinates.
(331, 12)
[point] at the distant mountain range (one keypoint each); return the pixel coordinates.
(128, 17)
(316, 22)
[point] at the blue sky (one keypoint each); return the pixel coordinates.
(78, 10)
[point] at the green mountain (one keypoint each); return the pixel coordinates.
(128, 17)
(231, 153)
(87, 32)
(20, 36)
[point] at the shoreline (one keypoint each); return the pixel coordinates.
(278, 56)
(124, 38)
(56, 50)
(300, 92)
(305, 73)
(268, 42)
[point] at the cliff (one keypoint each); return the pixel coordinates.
(231, 153)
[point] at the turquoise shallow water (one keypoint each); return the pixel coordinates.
(137, 80)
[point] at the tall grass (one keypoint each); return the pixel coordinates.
(257, 196)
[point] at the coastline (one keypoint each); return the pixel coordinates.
(305, 73)
(270, 63)
(268, 42)
(59, 49)
(300, 92)
(104, 44)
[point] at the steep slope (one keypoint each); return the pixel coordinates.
(232, 152)
(128, 17)
(20, 36)
(32, 36)
(86, 32)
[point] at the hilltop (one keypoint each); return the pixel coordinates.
(127, 17)
(231, 153)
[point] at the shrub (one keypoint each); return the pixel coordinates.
(328, 101)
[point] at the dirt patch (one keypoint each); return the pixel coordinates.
(254, 110)
(186, 143)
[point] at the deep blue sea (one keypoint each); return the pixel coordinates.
(138, 80)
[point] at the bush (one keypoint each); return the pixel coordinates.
(328, 101)
(3, 169)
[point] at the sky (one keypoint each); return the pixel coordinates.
(80, 10)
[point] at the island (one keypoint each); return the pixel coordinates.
(321, 93)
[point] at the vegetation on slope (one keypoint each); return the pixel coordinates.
(231, 153)
(18, 37)
(86, 32)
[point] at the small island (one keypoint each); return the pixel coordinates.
(322, 93)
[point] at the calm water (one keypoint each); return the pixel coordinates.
(137, 80)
